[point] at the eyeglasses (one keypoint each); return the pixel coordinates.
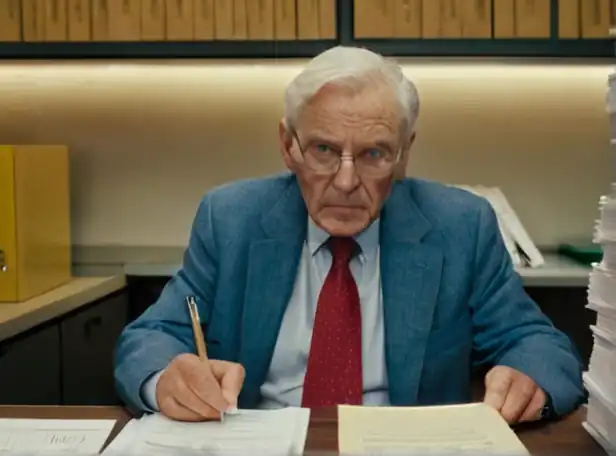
(326, 159)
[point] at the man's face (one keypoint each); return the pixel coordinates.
(354, 124)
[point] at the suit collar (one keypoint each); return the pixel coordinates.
(286, 220)
(401, 218)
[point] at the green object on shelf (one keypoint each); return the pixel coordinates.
(583, 253)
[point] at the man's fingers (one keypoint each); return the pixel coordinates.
(497, 384)
(204, 384)
(518, 398)
(533, 410)
(194, 390)
(231, 377)
(186, 397)
(176, 411)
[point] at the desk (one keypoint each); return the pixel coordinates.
(57, 348)
(566, 437)
(19, 317)
(151, 261)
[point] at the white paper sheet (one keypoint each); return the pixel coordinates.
(277, 432)
(42, 436)
(459, 429)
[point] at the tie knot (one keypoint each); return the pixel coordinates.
(342, 248)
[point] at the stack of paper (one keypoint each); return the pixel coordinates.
(522, 249)
(42, 436)
(470, 429)
(248, 432)
(600, 380)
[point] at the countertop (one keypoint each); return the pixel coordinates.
(558, 271)
(17, 317)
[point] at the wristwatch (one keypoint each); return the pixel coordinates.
(547, 411)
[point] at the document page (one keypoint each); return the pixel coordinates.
(276, 432)
(473, 429)
(40, 436)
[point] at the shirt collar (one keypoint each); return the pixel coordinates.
(368, 239)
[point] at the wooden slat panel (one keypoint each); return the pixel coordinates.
(595, 18)
(204, 20)
(532, 18)
(285, 20)
(79, 20)
(10, 20)
(407, 18)
(504, 19)
(308, 19)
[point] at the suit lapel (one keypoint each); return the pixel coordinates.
(272, 268)
(410, 276)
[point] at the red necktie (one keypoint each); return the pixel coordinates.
(334, 372)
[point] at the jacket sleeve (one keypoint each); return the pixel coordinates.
(509, 328)
(163, 331)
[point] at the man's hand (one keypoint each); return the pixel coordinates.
(515, 395)
(193, 390)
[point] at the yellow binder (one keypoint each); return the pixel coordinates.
(35, 246)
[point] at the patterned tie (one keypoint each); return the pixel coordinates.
(334, 372)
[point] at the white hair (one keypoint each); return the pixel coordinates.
(355, 67)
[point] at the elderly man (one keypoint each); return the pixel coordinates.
(344, 282)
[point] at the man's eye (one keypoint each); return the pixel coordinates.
(323, 148)
(374, 153)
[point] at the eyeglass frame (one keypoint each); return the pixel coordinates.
(341, 158)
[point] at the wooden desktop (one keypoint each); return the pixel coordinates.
(564, 437)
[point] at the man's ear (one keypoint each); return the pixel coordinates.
(286, 143)
(400, 171)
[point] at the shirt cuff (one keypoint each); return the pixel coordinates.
(148, 390)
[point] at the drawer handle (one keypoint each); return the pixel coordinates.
(89, 325)
(3, 266)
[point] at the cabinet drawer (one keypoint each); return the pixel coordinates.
(566, 308)
(88, 343)
(30, 368)
(143, 292)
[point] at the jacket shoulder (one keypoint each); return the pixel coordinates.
(229, 204)
(442, 203)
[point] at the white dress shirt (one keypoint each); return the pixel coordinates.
(285, 378)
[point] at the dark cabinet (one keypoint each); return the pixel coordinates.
(143, 292)
(30, 368)
(566, 307)
(88, 342)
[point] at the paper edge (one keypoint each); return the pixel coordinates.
(521, 451)
(598, 437)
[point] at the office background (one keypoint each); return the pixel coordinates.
(148, 139)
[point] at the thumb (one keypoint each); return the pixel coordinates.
(231, 379)
(497, 382)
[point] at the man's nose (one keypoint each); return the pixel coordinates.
(346, 179)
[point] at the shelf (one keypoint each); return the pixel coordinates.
(165, 49)
(152, 261)
(550, 47)
(597, 48)
(490, 47)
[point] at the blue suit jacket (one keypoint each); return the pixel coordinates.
(451, 298)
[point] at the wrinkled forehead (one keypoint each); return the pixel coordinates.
(342, 112)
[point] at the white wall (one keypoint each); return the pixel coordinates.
(148, 139)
